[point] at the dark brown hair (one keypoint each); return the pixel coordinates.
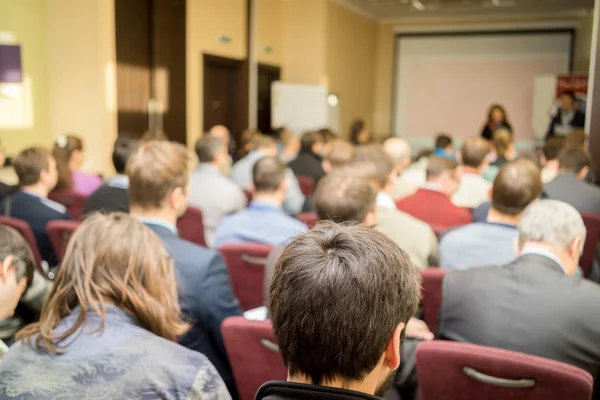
(63, 150)
(438, 165)
(573, 160)
(517, 185)
(442, 141)
(267, 174)
(308, 140)
(13, 244)
(494, 107)
(374, 158)
(30, 163)
(337, 294)
(474, 151)
(110, 259)
(552, 147)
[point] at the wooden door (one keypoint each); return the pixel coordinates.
(267, 74)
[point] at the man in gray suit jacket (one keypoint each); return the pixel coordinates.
(533, 305)
(568, 186)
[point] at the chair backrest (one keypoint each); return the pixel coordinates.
(253, 354)
(592, 226)
(25, 230)
(191, 226)
(246, 265)
(74, 202)
(459, 371)
(432, 295)
(60, 232)
(307, 185)
(310, 219)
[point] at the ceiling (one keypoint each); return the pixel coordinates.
(399, 9)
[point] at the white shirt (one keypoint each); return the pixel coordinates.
(385, 200)
(472, 192)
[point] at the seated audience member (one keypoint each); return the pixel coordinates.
(577, 139)
(473, 189)
(533, 305)
(69, 155)
(431, 203)
(497, 119)
(340, 300)
(290, 145)
(549, 158)
(359, 133)
(415, 173)
(340, 154)
(112, 195)
(107, 329)
(413, 236)
(568, 117)
(309, 161)
(504, 147)
(159, 174)
(36, 169)
(241, 174)
(517, 185)
(248, 142)
(329, 137)
(210, 190)
(264, 221)
(399, 150)
(569, 186)
(444, 147)
(221, 132)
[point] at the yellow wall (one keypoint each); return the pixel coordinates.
(206, 20)
(268, 31)
(25, 19)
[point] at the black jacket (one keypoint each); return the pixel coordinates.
(487, 132)
(281, 390)
(107, 199)
(308, 164)
(578, 121)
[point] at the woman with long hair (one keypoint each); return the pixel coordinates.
(497, 119)
(359, 133)
(69, 154)
(109, 325)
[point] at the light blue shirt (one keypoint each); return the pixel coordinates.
(159, 222)
(259, 223)
(118, 181)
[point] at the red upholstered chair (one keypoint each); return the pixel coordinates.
(432, 295)
(458, 371)
(246, 265)
(592, 225)
(191, 226)
(25, 230)
(74, 202)
(309, 218)
(252, 353)
(307, 185)
(60, 232)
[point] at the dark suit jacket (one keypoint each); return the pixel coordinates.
(529, 306)
(584, 196)
(578, 121)
(308, 164)
(107, 199)
(205, 297)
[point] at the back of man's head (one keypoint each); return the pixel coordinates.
(124, 147)
(155, 170)
(552, 147)
(208, 147)
(517, 185)
(374, 161)
(399, 150)
(337, 300)
(265, 144)
(13, 245)
(437, 166)
(573, 160)
(443, 141)
(308, 141)
(474, 152)
(30, 163)
(340, 154)
(268, 175)
(344, 196)
(220, 131)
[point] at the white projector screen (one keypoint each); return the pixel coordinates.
(447, 83)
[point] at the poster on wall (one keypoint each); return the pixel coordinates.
(577, 84)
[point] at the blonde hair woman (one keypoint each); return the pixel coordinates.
(109, 326)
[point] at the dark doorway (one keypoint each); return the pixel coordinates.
(267, 74)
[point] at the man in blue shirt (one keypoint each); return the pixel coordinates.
(264, 221)
(36, 169)
(159, 174)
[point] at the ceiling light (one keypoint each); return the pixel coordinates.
(418, 5)
(496, 3)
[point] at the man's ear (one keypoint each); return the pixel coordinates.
(576, 246)
(490, 191)
(391, 357)
(4, 266)
(251, 187)
(583, 173)
(326, 165)
(516, 246)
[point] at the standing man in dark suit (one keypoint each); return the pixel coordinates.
(568, 118)
(159, 174)
(569, 185)
(533, 305)
(309, 161)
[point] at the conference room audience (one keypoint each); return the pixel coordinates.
(399, 150)
(497, 119)
(492, 242)
(221, 132)
(504, 147)
(159, 174)
(339, 302)
(432, 202)
(36, 170)
(309, 161)
(415, 173)
(549, 158)
(241, 174)
(112, 195)
(569, 185)
(413, 236)
(533, 305)
(289, 145)
(473, 189)
(69, 154)
(210, 190)
(108, 327)
(340, 153)
(444, 146)
(360, 133)
(264, 221)
(568, 118)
